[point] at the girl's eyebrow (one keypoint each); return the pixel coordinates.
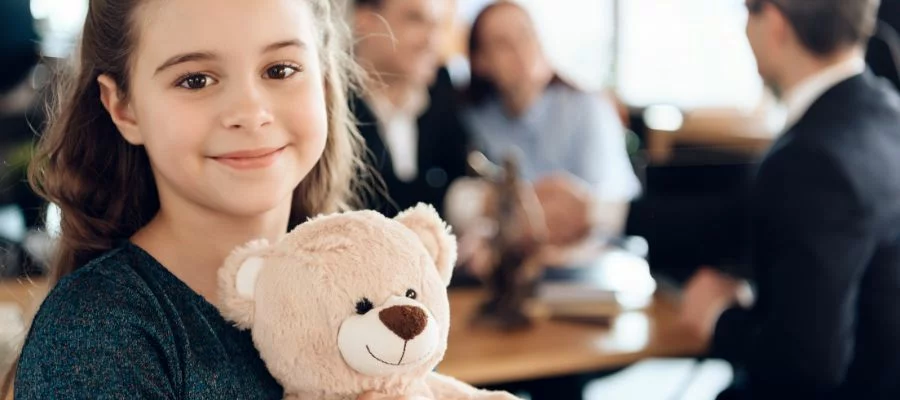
(285, 43)
(209, 56)
(183, 58)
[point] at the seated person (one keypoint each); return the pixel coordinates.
(408, 115)
(570, 144)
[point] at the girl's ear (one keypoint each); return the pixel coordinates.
(119, 110)
(237, 282)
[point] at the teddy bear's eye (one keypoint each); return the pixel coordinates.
(363, 306)
(411, 294)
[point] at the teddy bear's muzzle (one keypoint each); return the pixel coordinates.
(397, 336)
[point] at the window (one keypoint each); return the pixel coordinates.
(577, 35)
(59, 23)
(686, 53)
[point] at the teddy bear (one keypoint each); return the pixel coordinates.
(348, 303)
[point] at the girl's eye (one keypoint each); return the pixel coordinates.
(196, 81)
(281, 71)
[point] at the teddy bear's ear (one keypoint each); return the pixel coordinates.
(237, 282)
(424, 220)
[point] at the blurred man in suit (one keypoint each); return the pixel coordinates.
(826, 219)
(408, 115)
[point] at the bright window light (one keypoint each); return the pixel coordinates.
(59, 23)
(688, 53)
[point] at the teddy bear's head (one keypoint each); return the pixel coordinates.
(346, 302)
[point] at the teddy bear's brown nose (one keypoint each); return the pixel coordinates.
(405, 321)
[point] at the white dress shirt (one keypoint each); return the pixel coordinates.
(564, 130)
(399, 129)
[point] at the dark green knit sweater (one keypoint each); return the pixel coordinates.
(124, 327)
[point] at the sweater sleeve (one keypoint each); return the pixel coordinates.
(93, 338)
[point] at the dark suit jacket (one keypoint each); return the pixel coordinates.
(826, 255)
(443, 146)
(879, 56)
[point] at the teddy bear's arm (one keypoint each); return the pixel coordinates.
(446, 388)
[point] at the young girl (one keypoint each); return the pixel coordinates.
(191, 128)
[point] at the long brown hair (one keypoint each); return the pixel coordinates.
(103, 185)
(481, 87)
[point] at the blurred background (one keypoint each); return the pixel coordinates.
(697, 120)
(680, 71)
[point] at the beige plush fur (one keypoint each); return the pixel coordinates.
(309, 285)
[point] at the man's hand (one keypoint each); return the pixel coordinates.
(707, 295)
(567, 204)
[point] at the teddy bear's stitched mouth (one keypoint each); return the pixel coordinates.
(399, 364)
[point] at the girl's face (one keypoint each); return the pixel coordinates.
(228, 98)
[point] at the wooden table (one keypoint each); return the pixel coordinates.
(551, 348)
(724, 131)
(554, 348)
